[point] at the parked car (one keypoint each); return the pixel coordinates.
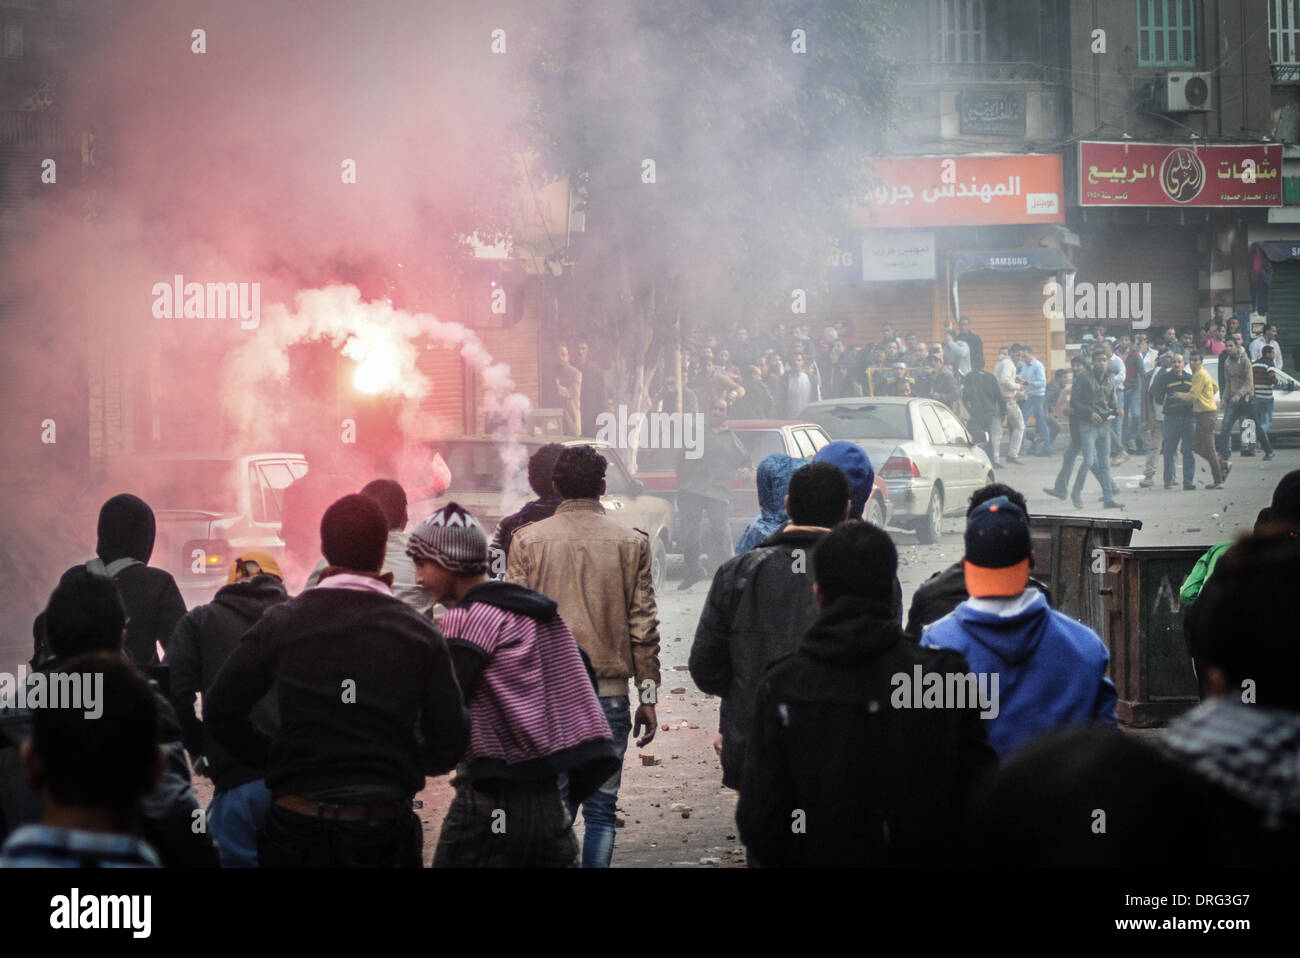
(208, 508)
(762, 437)
(1286, 403)
(477, 473)
(919, 447)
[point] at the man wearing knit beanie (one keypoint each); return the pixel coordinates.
(533, 710)
(369, 706)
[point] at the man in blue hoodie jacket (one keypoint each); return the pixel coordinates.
(1051, 669)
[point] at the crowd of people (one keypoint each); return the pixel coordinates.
(987, 723)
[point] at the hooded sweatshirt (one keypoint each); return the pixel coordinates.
(773, 481)
(1051, 669)
(856, 465)
(199, 647)
(533, 710)
(153, 602)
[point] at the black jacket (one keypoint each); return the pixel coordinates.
(153, 603)
(365, 689)
(759, 605)
(867, 783)
(533, 511)
(983, 397)
(944, 591)
(202, 642)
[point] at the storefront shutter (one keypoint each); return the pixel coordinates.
(1005, 309)
(1284, 310)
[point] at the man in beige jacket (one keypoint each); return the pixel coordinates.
(598, 573)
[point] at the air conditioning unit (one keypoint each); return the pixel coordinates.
(1186, 92)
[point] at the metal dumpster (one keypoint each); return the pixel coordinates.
(1144, 630)
(1065, 558)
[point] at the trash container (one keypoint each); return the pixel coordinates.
(1065, 558)
(1144, 630)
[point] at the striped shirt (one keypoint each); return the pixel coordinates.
(1265, 379)
(42, 846)
(534, 698)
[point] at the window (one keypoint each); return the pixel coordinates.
(1166, 33)
(617, 482)
(1284, 38)
(13, 39)
(761, 443)
(930, 419)
(806, 448)
(865, 420)
(819, 439)
(962, 31)
(955, 431)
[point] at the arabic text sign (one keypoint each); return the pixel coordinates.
(964, 191)
(889, 255)
(1169, 174)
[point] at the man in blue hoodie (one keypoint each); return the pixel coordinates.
(1051, 669)
(773, 480)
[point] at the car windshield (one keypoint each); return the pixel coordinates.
(474, 466)
(205, 484)
(761, 443)
(863, 420)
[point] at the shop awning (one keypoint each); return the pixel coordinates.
(1044, 260)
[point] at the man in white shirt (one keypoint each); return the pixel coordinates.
(1266, 338)
(1005, 373)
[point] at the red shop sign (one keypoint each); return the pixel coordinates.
(1167, 174)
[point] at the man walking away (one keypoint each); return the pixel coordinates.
(1035, 378)
(1205, 411)
(773, 481)
(392, 499)
(984, 400)
(598, 573)
(85, 615)
(369, 706)
(704, 494)
(153, 602)
(541, 466)
(533, 711)
(1265, 376)
(840, 769)
(199, 647)
(760, 604)
(1005, 373)
(1051, 669)
(1172, 390)
(1061, 488)
(91, 771)
(1238, 394)
(944, 591)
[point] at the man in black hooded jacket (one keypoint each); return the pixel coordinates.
(841, 769)
(199, 647)
(153, 602)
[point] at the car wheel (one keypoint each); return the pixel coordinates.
(658, 564)
(931, 526)
(875, 513)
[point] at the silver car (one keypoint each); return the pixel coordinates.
(918, 447)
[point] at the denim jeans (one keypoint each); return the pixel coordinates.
(1094, 441)
(1232, 411)
(235, 816)
(599, 807)
(1034, 409)
(1117, 425)
(1180, 429)
(1264, 422)
(1072, 450)
(1132, 416)
(703, 528)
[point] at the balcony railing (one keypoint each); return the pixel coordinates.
(1286, 73)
